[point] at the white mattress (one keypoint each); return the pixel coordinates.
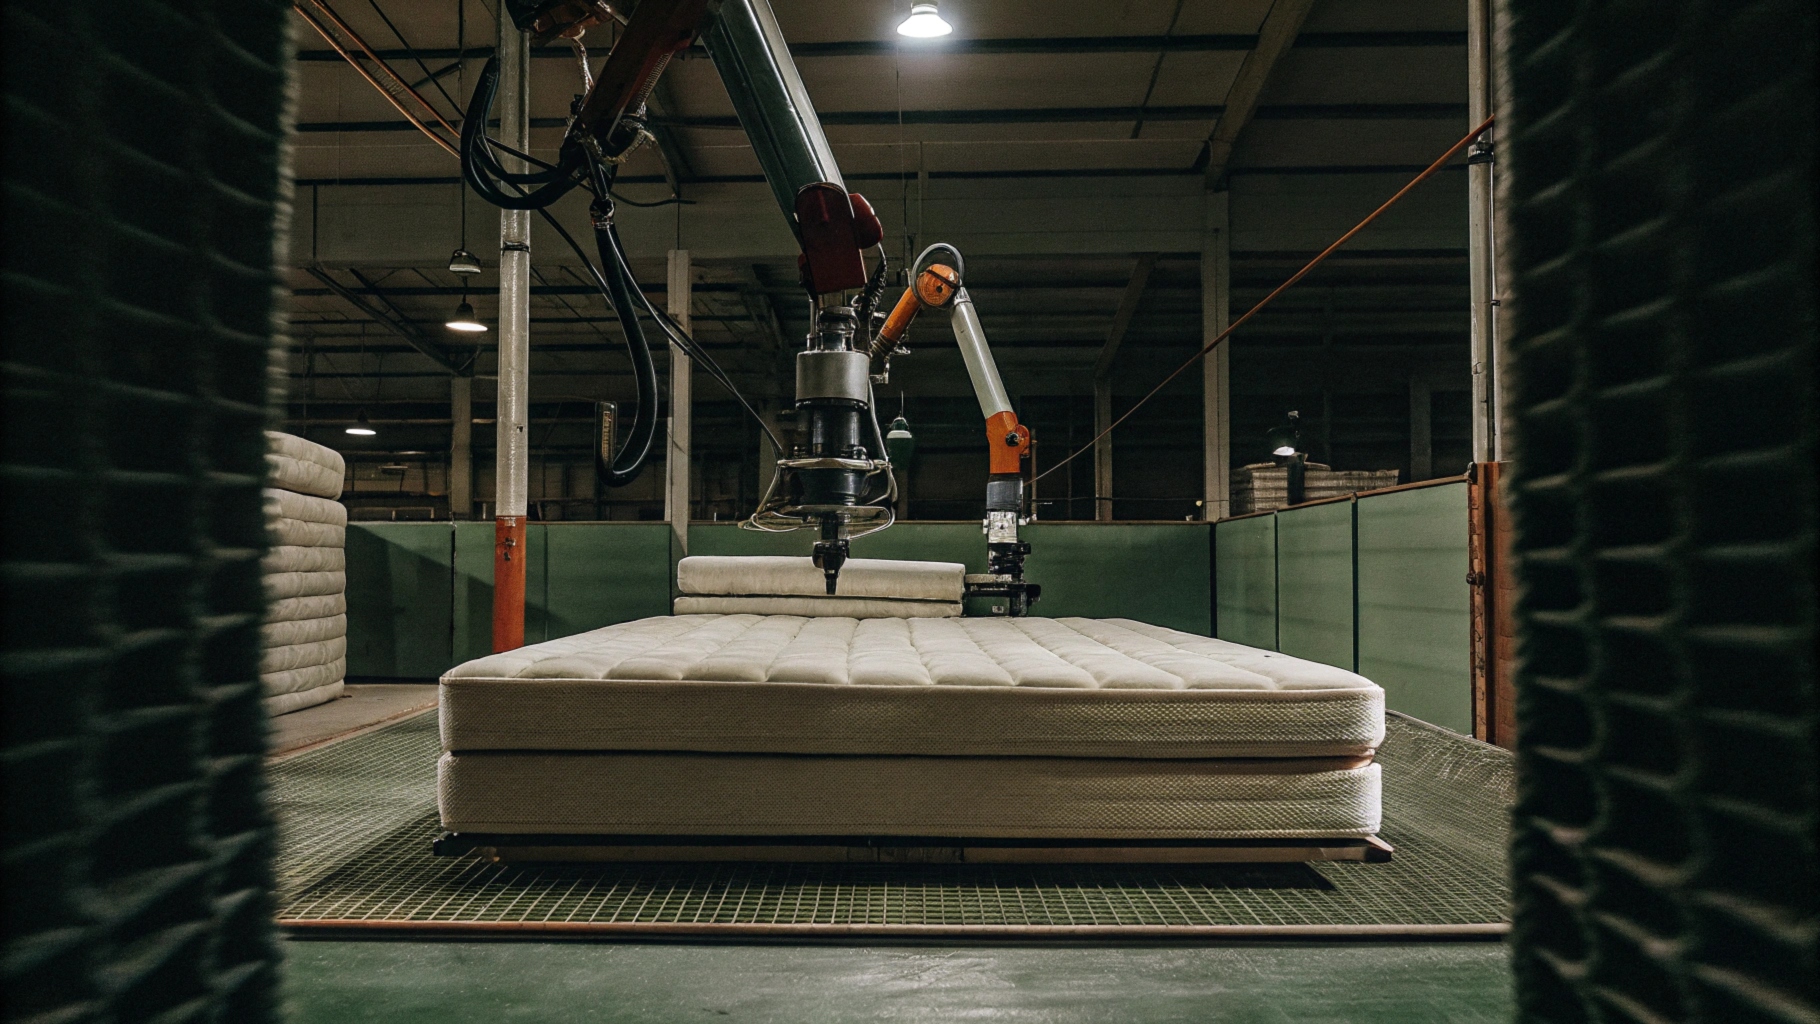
(307, 508)
(297, 609)
(280, 585)
(1027, 687)
(293, 464)
(303, 654)
(296, 559)
(301, 533)
(302, 631)
(307, 677)
(1007, 797)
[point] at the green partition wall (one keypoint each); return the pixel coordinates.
(1376, 584)
(1314, 584)
(596, 574)
(472, 607)
(1152, 572)
(1415, 606)
(421, 594)
(398, 599)
(1245, 581)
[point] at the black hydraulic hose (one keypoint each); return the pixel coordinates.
(632, 456)
(483, 173)
(697, 354)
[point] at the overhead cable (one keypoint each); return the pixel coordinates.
(1429, 172)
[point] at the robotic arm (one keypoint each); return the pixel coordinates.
(830, 478)
(940, 286)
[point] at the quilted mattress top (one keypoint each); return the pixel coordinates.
(984, 686)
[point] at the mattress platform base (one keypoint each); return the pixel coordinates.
(508, 847)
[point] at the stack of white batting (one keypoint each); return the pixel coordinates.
(305, 637)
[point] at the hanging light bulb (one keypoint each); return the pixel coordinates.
(464, 320)
(360, 427)
(924, 23)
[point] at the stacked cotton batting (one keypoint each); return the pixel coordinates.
(305, 635)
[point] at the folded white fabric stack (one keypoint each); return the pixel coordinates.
(868, 588)
(305, 642)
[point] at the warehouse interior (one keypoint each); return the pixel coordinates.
(1334, 541)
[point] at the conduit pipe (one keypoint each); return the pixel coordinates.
(511, 427)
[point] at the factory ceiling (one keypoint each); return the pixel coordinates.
(1060, 144)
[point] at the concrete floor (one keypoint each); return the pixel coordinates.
(400, 982)
(359, 709)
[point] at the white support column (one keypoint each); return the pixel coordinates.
(510, 478)
(1102, 450)
(461, 447)
(1487, 432)
(676, 494)
(1216, 366)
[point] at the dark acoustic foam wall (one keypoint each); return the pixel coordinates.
(1657, 177)
(144, 194)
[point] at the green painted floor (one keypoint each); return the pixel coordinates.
(335, 982)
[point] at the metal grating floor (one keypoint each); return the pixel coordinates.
(357, 818)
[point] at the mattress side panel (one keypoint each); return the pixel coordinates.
(727, 795)
(808, 718)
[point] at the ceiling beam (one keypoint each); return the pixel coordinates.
(392, 320)
(1299, 170)
(1134, 292)
(989, 47)
(1275, 37)
(1015, 115)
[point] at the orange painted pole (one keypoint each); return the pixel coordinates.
(508, 583)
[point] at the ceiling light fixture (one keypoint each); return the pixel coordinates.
(464, 320)
(360, 427)
(463, 262)
(923, 23)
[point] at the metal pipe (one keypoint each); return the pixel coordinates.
(768, 96)
(987, 386)
(511, 475)
(1487, 435)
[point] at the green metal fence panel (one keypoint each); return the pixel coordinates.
(1245, 581)
(729, 539)
(927, 542)
(1415, 606)
(933, 542)
(537, 584)
(472, 609)
(399, 599)
(1152, 572)
(597, 574)
(1315, 614)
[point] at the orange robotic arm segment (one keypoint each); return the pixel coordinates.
(1007, 440)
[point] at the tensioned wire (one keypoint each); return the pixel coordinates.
(1321, 257)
